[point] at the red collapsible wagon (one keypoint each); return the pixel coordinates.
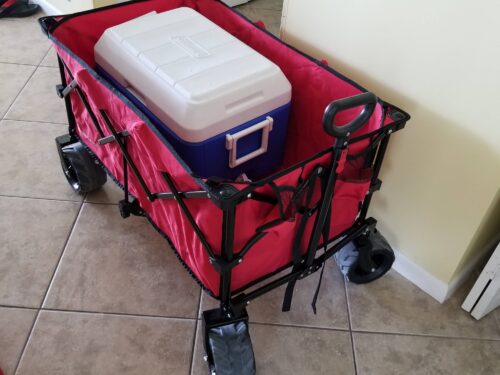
(233, 237)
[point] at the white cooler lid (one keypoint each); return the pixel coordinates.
(196, 77)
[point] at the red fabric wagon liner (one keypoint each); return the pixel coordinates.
(314, 86)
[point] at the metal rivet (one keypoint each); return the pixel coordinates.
(240, 260)
(249, 196)
(345, 143)
(205, 358)
(248, 302)
(390, 131)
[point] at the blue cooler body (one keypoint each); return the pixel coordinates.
(222, 106)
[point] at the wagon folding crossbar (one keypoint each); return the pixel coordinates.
(237, 239)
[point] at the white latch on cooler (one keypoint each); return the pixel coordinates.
(232, 142)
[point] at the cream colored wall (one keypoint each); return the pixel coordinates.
(66, 6)
(440, 61)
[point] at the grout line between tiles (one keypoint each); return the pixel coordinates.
(350, 327)
(47, 290)
(102, 203)
(44, 57)
(195, 333)
(33, 121)
(299, 327)
(291, 325)
(13, 63)
(19, 92)
(42, 199)
(131, 315)
(427, 335)
(63, 251)
(18, 307)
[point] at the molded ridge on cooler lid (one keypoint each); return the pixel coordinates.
(196, 77)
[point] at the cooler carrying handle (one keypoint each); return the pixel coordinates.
(232, 142)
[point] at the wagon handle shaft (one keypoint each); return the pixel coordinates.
(368, 100)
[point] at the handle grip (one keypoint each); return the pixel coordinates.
(368, 99)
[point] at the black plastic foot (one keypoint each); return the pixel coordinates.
(227, 343)
(59, 91)
(130, 208)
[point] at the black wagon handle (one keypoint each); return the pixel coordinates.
(368, 99)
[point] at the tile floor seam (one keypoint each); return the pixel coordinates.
(26, 341)
(102, 203)
(19, 92)
(15, 63)
(195, 334)
(43, 199)
(72, 229)
(48, 288)
(18, 307)
(33, 121)
(299, 327)
(43, 58)
(290, 325)
(350, 327)
(426, 336)
(93, 312)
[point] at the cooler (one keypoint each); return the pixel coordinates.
(223, 106)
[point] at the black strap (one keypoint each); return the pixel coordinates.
(326, 237)
(287, 299)
(316, 293)
(308, 184)
(125, 178)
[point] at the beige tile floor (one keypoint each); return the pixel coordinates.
(84, 292)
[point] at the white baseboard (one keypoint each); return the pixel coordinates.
(429, 283)
(420, 277)
(48, 8)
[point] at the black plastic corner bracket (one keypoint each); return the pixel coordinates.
(47, 24)
(130, 208)
(375, 186)
(222, 265)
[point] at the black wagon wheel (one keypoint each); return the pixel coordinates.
(381, 259)
(79, 167)
(366, 259)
